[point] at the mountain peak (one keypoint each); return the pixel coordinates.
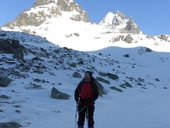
(119, 20)
(108, 19)
(46, 9)
(113, 18)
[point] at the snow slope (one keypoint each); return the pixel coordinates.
(144, 105)
(89, 37)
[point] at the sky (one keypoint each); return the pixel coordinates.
(152, 16)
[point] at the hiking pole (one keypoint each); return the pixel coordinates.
(76, 115)
(77, 111)
(87, 115)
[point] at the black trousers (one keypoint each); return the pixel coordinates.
(86, 111)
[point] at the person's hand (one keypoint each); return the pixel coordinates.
(89, 100)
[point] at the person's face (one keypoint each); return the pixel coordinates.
(87, 76)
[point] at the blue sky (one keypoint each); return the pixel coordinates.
(152, 16)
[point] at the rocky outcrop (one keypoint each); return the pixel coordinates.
(125, 85)
(33, 18)
(12, 47)
(164, 37)
(128, 39)
(131, 27)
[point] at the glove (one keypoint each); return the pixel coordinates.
(89, 100)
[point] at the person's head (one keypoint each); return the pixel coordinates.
(88, 76)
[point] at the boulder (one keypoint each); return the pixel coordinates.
(116, 89)
(58, 95)
(126, 55)
(77, 75)
(10, 125)
(80, 62)
(4, 81)
(112, 76)
(103, 74)
(148, 49)
(73, 64)
(102, 80)
(5, 97)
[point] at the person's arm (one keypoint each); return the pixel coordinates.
(76, 92)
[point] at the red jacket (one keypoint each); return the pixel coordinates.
(87, 92)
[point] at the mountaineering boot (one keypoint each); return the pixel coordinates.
(80, 126)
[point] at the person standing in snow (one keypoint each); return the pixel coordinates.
(85, 95)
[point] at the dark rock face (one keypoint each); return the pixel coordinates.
(10, 46)
(58, 95)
